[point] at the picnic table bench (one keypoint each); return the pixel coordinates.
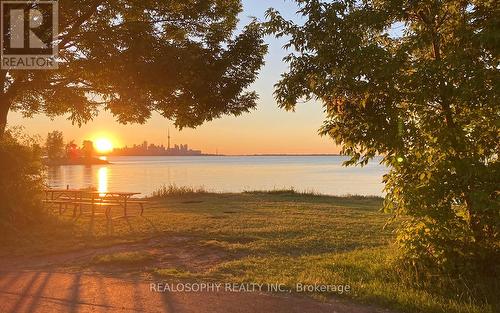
(80, 198)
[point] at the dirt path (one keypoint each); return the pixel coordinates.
(171, 251)
(50, 292)
(48, 285)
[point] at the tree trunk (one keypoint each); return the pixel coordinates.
(4, 103)
(4, 111)
(475, 223)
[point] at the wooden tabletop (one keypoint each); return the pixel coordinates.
(117, 193)
(66, 190)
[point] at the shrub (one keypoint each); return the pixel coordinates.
(427, 243)
(21, 179)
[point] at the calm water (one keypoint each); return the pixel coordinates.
(323, 174)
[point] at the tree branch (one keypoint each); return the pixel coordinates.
(78, 22)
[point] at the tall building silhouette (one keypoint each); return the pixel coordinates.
(168, 145)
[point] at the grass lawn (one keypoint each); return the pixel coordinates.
(271, 237)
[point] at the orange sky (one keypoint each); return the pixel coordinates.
(254, 133)
(264, 131)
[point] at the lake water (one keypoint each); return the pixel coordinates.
(323, 174)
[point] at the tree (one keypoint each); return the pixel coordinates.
(88, 149)
(71, 150)
(134, 57)
(54, 146)
(424, 97)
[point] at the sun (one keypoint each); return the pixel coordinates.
(103, 145)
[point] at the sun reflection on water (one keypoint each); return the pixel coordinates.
(102, 175)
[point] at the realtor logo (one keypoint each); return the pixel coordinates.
(28, 33)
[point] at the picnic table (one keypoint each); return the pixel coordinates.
(82, 197)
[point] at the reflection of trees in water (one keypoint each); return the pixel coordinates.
(87, 176)
(77, 176)
(74, 176)
(54, 176)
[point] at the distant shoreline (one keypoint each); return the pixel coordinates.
(97, 161)
(232, 155)
(312, 155)
(79, 161)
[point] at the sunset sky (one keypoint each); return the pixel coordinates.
(265, 130)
